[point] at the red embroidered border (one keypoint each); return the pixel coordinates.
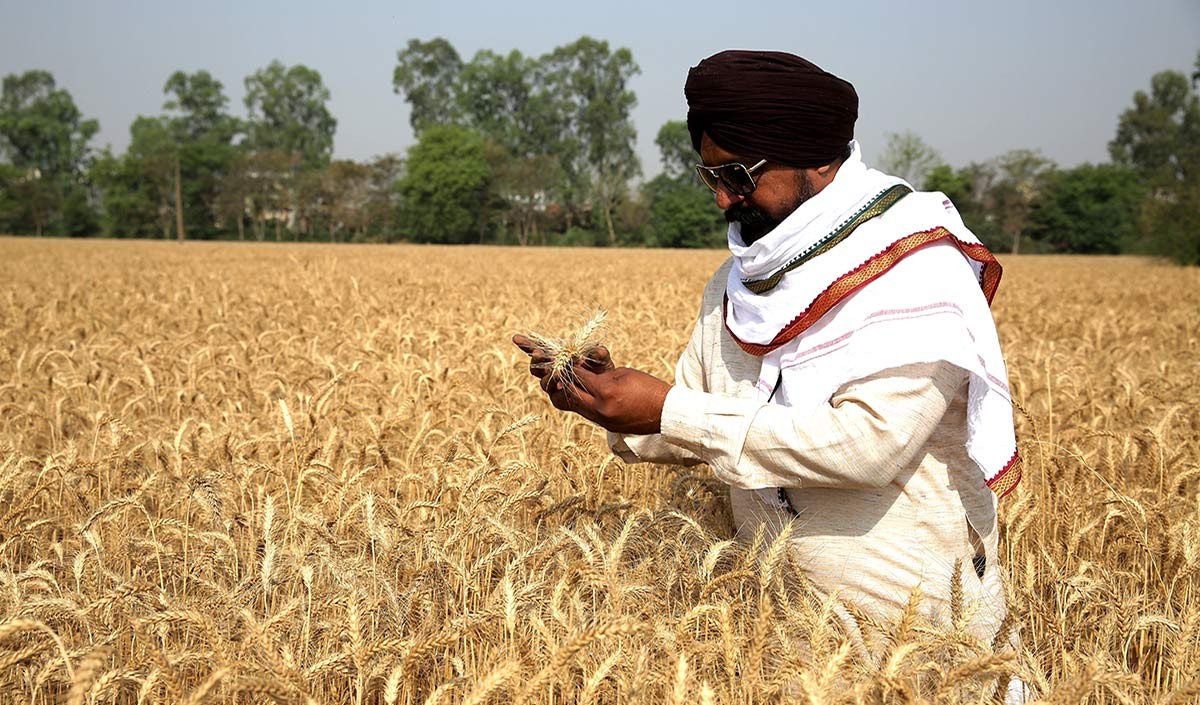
(868, 272)
(1007, 479)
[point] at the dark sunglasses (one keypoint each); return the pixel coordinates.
(736, 178)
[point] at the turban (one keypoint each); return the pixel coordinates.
(772, 105)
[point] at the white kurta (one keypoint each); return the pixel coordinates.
(887, 496)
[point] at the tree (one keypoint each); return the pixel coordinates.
(40, 127)
(599, 157)
(681, 212)
(909, 157)
(1159, 138)
(234, 194)
(524, 183)
(44, 137)
(1022, 173)
(153, 153)
(675, 146)
(287, 113)
(130, 202)
(1088, 209)
(382, 194)
(447, 176)
(203, 132)
(426, 74)
(1157, 135)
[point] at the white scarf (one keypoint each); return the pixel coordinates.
(910, 286)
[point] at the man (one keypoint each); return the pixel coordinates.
(845, 372)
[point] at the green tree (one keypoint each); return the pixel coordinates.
(426, 74)
(130, 202)
(1022, 174)
(203, 132)
(44, 137)
(41, 128)
(447, 177)
(675, 147)
(682, 214)
(288, 113)
(1088, 209)
(1159, 138)
(492, 95)
(908, 156)
(598, 157)
(525, 184)
(383, 197)
(1157, 135)
(235, 189)
(681, 211)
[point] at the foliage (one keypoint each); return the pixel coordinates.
(554, 163)
(571, 105)
(44, 139)
(447, 179)
(995, 198)
(1159, 138)
(426, 74)
(681, 209)
(675, 149)
(288, 114)
(1087, 210)
(907, 156)
(204, 133)
(41, 129)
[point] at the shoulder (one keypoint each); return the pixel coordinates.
(925, 209)
(714, 290)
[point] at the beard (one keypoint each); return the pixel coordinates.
(755, 222)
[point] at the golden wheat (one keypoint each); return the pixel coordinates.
(236, 474)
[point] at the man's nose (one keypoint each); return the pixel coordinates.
(725, 199)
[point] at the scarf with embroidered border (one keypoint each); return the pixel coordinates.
(867, 276)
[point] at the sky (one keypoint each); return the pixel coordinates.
(974, 79)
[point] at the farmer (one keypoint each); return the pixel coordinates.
(845, 370)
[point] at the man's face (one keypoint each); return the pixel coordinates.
(780, 190)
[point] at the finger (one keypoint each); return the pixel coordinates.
(561, 399)
(587, 380)
(527, 345)
(539, 364)
(598, 360)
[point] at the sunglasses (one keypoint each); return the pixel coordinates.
(735, 177)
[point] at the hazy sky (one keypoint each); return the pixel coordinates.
(973, 78)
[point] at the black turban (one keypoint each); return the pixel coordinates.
(773, 105)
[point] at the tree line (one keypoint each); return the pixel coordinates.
(517, 149)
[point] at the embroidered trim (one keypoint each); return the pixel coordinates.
(864, 274)
(875, 207)
(1006, 480)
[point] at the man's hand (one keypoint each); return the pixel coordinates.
(620, 399)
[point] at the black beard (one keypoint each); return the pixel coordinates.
(755, 222)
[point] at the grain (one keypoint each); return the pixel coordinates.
(240, 486)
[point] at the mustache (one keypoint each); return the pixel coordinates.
(748, 215)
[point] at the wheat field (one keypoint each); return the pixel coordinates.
(311, 474)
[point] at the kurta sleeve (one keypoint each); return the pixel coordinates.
(863, 437)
